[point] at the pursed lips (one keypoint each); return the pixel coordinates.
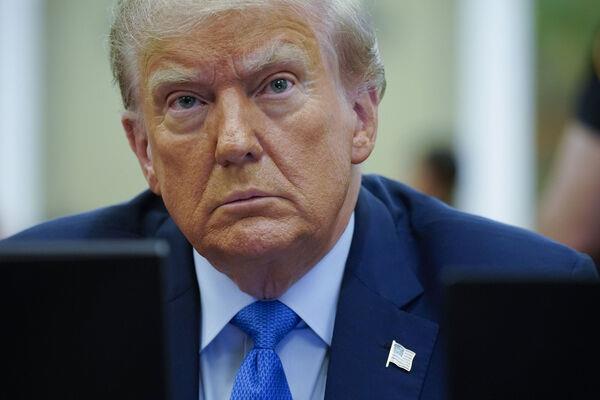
(245, 196)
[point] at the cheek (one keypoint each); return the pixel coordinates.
(317, 142)
(182, 164)
(313, 151)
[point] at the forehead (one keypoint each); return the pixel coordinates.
(244, 38)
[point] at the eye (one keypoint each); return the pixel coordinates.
(185, 102)
(278, 86)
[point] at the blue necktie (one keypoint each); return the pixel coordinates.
(261, 375)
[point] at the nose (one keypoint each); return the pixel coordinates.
(236, 135)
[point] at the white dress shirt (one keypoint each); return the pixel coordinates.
(303, 352)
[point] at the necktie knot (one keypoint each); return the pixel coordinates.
(266, 322)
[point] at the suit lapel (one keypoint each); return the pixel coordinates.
(378, 285)
(182, 311)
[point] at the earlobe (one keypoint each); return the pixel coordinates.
(365, 133)
(138, 142)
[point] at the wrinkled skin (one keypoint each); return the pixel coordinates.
(245, 131)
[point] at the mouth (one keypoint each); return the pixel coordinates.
(246, 198)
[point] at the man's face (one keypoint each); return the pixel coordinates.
(251, 139)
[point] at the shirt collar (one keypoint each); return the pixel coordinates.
(313, 297)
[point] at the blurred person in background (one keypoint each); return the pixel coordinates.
(290, 274)
(436, 174)
(570, 204)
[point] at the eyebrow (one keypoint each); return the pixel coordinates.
(278, 52)
(172, 75)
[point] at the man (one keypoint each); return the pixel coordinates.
(569, 205)
(250, 120)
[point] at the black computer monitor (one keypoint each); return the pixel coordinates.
(82, 320)
(523, 340)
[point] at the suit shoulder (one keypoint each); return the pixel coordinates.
(451, 239)
(132, 219)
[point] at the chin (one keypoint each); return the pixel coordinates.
(254, 239)
(255, 248)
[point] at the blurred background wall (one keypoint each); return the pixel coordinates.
(88, 162)
(417, 41)
(83, 160)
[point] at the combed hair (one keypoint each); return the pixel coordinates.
(343, 23)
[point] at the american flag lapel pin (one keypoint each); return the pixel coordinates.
(400, 356)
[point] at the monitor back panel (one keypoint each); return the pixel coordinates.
(81, 320)
(528, 340)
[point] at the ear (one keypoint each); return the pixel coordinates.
(365, 107)
(138, 141)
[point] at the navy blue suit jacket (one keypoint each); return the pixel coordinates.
(403, 242)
